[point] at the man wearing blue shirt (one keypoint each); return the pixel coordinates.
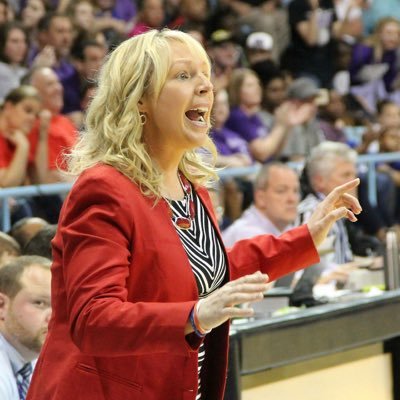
(24, 315)
(276, 197)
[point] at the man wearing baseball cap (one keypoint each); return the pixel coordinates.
(259, 47)
(225, 53)
(259, 51)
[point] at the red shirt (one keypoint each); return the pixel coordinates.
(7, 150)
(62, 136)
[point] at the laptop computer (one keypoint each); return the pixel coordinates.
(303, 290)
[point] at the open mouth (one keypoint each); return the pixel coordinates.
(197, 115)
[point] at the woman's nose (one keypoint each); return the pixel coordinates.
(205, 86)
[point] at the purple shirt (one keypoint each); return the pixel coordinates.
(124, 10)
(228, 142)
(364, 55)
(332, 133)
(249, 127)
(70, 80)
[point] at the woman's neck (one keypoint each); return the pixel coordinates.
(167, 163)
(250, 109)
(166, 157)
(171, 187)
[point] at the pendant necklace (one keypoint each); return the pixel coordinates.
(185, 222)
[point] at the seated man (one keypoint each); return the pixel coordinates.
(330, 164)
(276, 193)
(54, 134)
(50, 138)
(24, 315)
(276, 197)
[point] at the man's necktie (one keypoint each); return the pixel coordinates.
(23, 380)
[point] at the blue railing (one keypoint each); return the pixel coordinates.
(27, 191)
(60, 188)
(369, 160)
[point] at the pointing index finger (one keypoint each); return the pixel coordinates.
(342, 190)
(347, 186)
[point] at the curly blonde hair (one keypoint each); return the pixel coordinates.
(114, 135)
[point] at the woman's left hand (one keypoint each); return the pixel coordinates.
(338, 204)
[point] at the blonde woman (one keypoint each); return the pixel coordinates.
(377, 57)
(142, 286)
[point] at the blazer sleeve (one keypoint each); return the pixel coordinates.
(275, 256)
(96, 231)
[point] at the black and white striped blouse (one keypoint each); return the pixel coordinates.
(204, 251)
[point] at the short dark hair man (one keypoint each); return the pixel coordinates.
(24, 315)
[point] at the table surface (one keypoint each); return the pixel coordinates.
(356, 321)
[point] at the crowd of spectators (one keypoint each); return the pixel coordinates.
(287, 76)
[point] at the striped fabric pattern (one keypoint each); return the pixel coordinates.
(342, 251)
(205, 254)
(23, 379)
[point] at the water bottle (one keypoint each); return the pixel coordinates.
(391, 256)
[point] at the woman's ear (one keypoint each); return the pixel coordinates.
(142, 105)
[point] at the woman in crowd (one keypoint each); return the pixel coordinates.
(19, 163)
(232, 149)
(142, 286)
(82, 14)
(232, 152)
(31, 14)
(374, 65)
(150, 15)
(245, 96)
(13, 51)
(17, 115)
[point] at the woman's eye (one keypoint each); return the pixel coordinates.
(183, 75)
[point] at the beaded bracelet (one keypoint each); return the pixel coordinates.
(194, 321)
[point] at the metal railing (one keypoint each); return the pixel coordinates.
(369, 160)
(26, 191)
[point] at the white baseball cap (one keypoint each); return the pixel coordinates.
(260, 41)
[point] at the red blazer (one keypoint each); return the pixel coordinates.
(122, 290)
